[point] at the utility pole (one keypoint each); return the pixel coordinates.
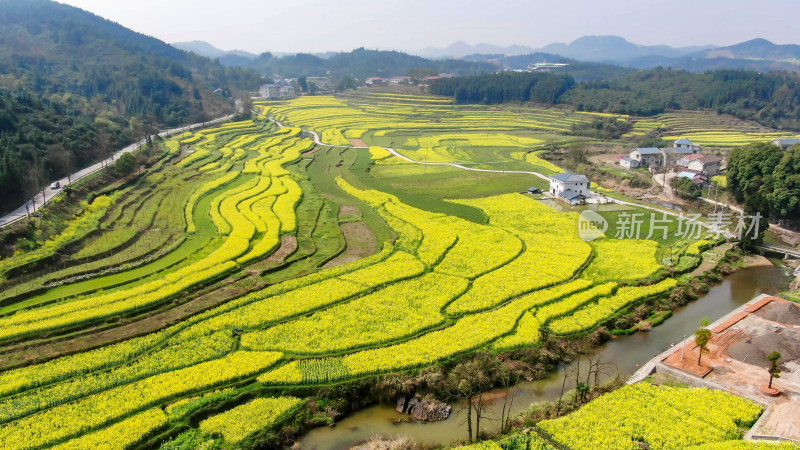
(683, 350)
(716, 191)
(425, 166)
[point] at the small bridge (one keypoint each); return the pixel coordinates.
(785, 251)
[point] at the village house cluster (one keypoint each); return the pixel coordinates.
(377, 81)
(683, 157)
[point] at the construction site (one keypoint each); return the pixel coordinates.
(735, 360)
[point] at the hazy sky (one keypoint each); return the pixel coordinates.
(320, 25)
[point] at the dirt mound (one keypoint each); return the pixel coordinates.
(782, 312)
(756, 349)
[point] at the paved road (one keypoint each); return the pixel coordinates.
(41, 199)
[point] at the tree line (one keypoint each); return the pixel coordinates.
(504, 87)
(77, 86)
(766, 179)
(771, 99)
(42, 139)
(361, 64)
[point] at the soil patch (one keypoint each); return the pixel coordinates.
(349, 210)
(689, 361)
(711, 258)
(360, 244)
(756, 349)
(611, 159)
(756, 261)
(782, 312)
(288, 246)
(358, 143)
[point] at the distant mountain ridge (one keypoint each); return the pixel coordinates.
(756, 54)
(756, 49)
(461, 49)
(615, 49)
(233, 58)
(587, 48)
(203, 48)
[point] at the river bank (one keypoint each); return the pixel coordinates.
(628, 353)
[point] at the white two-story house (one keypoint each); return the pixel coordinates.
(570, 187)
(687, 144)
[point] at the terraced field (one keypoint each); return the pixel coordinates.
(415, 122)
(250, 263)
(707, 129)
(660, 417)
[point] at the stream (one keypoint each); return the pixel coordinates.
(625, 353)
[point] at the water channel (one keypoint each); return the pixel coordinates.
(627, 353)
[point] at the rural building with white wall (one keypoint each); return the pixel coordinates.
(786, 143)
(647, 156)
(569, 187)
(628, 163)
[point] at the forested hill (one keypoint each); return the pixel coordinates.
(362, 63)
(73, 84)
(771, 99)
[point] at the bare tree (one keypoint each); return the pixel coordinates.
(103, 144)
(561, 395)
(62, 158)
(597, 367)
(581, 389)
(468, 380)
(477, 404)
(508, 379)
(464, 392)
(150, 128)
(37, 179)
(69, 158)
